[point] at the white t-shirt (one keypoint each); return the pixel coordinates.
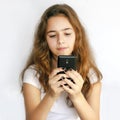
(60, 110)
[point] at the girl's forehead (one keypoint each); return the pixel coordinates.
(60, 22)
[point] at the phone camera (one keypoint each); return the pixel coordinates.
(67, 61)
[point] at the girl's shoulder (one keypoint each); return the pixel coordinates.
(31, 77)
(92, 76)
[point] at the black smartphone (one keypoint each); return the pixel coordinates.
(67, 61)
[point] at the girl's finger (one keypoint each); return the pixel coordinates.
(68, 89)
(55, 72)
(75, 76)
(70, 83)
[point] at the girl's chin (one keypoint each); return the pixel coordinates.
(55, 56)
(63, 54)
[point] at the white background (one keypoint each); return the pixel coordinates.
(18, 20)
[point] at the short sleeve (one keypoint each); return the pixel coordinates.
(31, 78)
(92, 76)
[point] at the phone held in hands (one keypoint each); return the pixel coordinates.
(67, 62)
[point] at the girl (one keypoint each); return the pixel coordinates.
(46, 96)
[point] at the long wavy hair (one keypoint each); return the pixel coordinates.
(41, 57)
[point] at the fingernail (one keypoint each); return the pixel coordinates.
(70, 69)
(61, 72)
(65, 70)
(71, 79)
(65, 84)
(61, 78)
(61, 85)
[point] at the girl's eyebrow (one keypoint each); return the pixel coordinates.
(61, 30)
(66, 29)
(51, 31)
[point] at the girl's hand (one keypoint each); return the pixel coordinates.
(73, 88)
(56, 82)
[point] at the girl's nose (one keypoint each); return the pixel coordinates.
(60, 39)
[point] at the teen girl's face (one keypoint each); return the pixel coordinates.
(60, 36)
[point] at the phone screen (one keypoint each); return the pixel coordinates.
(67, 61)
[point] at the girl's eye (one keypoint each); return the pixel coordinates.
(68, 34)
(52, 36)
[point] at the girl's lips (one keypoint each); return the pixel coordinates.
(62, 48)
